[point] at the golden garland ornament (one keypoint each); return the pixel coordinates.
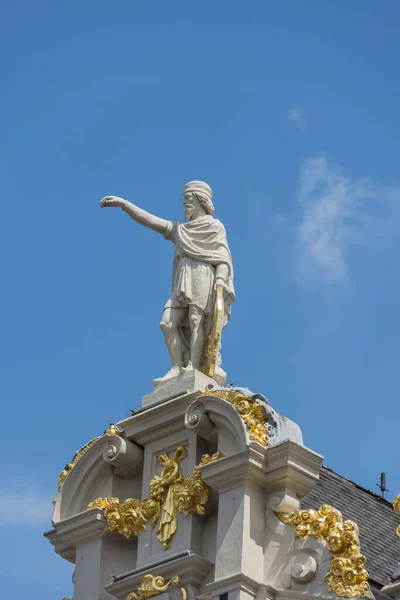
(170, 491)
(153, 585)
(112, 430)
(251, 411)
(347, 576)
(396, 507)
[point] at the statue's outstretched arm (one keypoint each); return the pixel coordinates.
(137, 214)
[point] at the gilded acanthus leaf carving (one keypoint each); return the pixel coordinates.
(252, 412)
(153, 585)
(207, 458)
(347, 576)
(170, 491)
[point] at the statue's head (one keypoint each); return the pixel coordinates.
(195, 194)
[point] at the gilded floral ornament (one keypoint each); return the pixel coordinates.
(152, 586)
(170, 491)
(347, 576)
(396, 506)
(112, 430)
(252, 412)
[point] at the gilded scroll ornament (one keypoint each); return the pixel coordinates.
(152, 586)
(252, 412)
(347, 576)
(207, 458)
(396, 506)
(170, 491)
(112, 430)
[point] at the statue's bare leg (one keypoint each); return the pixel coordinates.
(197, 336)
(171, 319)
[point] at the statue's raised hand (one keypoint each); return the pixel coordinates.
(113, 201)
(137, 214)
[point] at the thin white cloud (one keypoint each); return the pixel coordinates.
(25, 507)
(296, 115)
(337, 213)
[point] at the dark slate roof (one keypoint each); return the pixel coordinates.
(374, 515)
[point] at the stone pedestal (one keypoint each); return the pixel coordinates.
(186, 383)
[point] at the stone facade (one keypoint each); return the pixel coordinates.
(191, 450)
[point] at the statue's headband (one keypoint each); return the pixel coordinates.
(198, 186)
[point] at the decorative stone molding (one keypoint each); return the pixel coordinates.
(211, 416)
(240, 584)
(252, 412)
(291, 468)
(189, 567)
(303, 568)
(123, 456)
(112, 430)
(347, 576)
(392, 590)
(279, 502)
(149, 424)
(233, 470)
(75, 530)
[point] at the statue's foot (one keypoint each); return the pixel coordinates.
(189, 367)
(176, 370)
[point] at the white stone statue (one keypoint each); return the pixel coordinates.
(202, 273)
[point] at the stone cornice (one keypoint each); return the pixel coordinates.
(84, 526)
(289, 466)
(190, 568)
(232, 471)
(393, 589)
(233, 582)
(148, 424)
(286, 466)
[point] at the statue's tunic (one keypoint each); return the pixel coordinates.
(200, 246)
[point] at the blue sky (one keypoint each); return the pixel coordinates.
(289, 111)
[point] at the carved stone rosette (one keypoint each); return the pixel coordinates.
(347, 576)
(251, 411)
(170, 491)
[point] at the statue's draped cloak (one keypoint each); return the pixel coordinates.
(200, 246)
